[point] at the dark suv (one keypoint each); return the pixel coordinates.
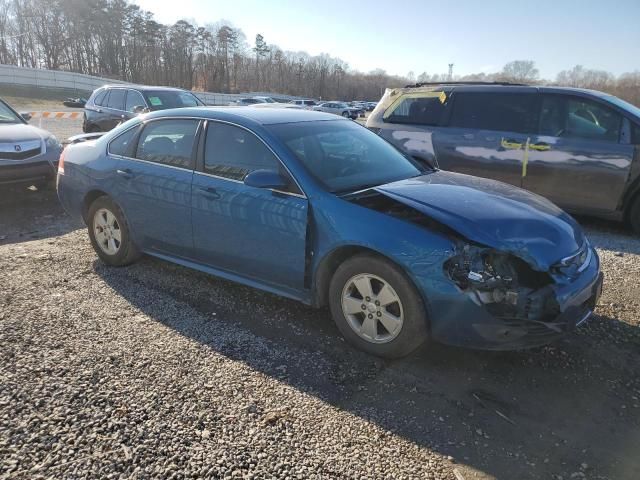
(579, 148)
(112, 104)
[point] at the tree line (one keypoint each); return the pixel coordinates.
(117, 39)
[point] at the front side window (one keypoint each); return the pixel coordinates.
(233, 152)
(116, 99)
(419, 110)
(577, 117)
(134, 99)
(122, 144)
(163, 99)
(170, 142)
(345, 156)
(508, 112)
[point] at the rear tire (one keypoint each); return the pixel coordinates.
(345, 114)
(110, 234)
(388, 318)
(634, 215)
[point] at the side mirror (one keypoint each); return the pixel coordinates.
(26, 116)
(266, 179)
(140, 109)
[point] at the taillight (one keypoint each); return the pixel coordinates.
(61, 163)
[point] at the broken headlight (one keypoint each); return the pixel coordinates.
(491, 277)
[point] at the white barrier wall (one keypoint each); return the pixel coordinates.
(23, 76)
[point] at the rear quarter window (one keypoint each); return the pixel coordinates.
(100, 97)
(417, 110)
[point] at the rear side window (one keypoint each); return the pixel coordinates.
(116, 99)
(122, 144)
(170, 142)
(417, 110)
(576, 117)
(100, 97)
(509, 112)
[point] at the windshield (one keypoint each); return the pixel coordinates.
(7, 115)
(345, 156)
(163, 99)
(267, 99)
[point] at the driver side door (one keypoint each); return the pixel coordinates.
(259, 234)
(579, 158)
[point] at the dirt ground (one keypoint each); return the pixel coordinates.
(569, 410)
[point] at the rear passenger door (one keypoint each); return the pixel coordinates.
(580, 158)
(114, 110)
(154, 185)
(487, 134)
(97, 114)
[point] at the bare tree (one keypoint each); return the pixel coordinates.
(520, 71)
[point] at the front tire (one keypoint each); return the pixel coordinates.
(110, 234)
(345, 114)
(377, 308)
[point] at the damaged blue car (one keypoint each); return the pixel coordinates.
(317, 208)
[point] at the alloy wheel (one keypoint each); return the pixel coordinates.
(107, 231)
(372, 308)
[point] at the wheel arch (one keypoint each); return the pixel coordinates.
(89, 198)
(332, 260)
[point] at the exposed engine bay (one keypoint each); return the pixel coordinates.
(502, 283)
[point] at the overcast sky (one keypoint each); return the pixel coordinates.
(422, 35)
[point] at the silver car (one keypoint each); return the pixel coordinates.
(339, 108)
(28, 155)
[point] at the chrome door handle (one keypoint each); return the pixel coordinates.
(126, 173)
(209, 192)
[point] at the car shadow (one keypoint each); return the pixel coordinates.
(30, 214)
(562, 409)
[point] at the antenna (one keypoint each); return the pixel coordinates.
(451, 71)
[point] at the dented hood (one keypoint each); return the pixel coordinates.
(492, 213)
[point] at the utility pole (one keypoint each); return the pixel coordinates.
(450, 71)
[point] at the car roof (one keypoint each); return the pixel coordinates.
(144, 87)
(513, 87)
(248, 115)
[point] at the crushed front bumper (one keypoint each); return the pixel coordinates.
(512, 334)
(456, 320)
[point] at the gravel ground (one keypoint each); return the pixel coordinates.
(156, 371)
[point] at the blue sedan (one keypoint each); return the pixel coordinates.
(317, 208)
